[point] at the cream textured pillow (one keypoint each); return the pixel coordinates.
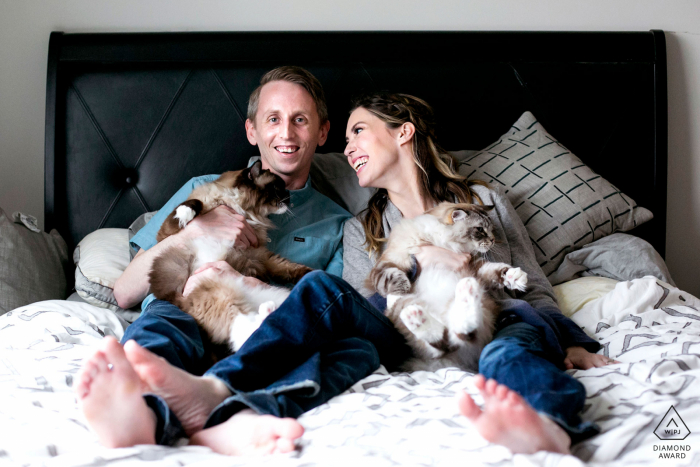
(562, 202)
(100, 258)
(574, 294)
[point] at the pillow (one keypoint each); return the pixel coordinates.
(331, 175)
(618, 256)
(33, 265)
(573, 295)
(100, 258)
(562, 202)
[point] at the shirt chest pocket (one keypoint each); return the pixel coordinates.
(314, 252)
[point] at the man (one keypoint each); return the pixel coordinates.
(287, 120)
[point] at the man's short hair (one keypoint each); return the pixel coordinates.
(296, 75)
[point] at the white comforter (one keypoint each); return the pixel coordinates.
(398, 419)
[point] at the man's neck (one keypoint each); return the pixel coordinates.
(291, 182)
(296, 182)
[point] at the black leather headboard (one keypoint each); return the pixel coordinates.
(131, 117)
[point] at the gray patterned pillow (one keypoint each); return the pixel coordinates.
(33, 265)
(562, 202)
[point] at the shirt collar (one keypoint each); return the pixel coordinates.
(296, 197)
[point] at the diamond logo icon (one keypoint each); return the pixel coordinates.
(672, 427)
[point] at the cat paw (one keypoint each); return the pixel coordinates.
(515, 279)
(184, 214)
(421, 324)
(266, 308)
(466, 289)
(413, 317)
(394, 281)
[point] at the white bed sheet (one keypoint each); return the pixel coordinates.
(398, 419)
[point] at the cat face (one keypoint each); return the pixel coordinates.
(260, 191)
(468, 222)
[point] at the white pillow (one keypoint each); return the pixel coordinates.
(100, 258)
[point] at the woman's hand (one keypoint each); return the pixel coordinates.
(578, 357)
(430, 255)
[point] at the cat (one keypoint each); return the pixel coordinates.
(446, 316)
(224, 306)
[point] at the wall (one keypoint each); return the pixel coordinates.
(25, 26)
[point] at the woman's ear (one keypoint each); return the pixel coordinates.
(406, 132)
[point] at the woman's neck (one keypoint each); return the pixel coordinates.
(410, 201)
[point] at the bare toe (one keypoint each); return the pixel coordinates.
(110, 398)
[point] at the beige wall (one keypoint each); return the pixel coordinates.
(25, 26)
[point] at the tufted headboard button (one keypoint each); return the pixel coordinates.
(131, 177)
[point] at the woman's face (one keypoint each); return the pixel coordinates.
(372, 149)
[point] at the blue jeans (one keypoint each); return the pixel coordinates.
(324, 338)
(517, 359)
(320, 341)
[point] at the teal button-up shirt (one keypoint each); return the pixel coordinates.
(310, 233)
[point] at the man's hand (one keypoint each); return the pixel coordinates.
(430, 255)
(223, 223)
(578, 357)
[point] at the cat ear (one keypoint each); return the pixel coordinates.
(255, 170)
(458, 215)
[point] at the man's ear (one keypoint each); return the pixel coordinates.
(406, 132)
(250, 132)
(323, 135)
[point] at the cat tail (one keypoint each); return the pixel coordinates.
(169, 273)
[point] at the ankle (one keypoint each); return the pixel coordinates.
(217, 388)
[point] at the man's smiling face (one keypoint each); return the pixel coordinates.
(287, 130)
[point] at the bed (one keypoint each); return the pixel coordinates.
(131, 117)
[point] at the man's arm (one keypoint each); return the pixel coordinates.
(133, 285)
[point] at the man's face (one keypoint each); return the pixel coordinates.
(287, 130)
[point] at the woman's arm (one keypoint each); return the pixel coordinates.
(356, 261)
(539, 292)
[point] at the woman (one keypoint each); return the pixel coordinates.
(392, 147)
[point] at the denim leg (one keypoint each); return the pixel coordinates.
(516, 359)
(323, 376)
(320, 310)
(171, 333)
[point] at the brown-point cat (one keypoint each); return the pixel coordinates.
(227, 309)
(446, 316)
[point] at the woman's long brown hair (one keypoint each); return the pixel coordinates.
(438, 177)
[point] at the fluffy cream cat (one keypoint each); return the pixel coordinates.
(447, 316)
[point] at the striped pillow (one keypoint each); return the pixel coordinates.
(562, 202)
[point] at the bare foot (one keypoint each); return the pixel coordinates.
(250, 433)
(109, 393)
(192, 398)
(578, 357)
(508, 420)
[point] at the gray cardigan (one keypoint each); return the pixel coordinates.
(513, 247)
